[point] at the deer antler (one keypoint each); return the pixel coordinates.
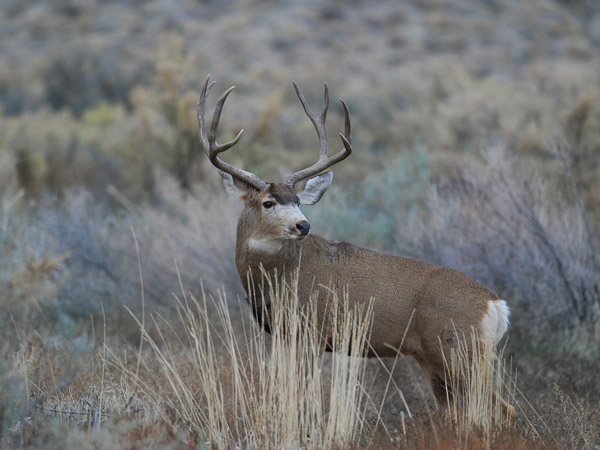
(319, 122)
(209, 142)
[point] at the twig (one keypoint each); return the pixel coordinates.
(96, 413)
(60, 411)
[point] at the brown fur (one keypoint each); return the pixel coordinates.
(397, 285)
(443, 299)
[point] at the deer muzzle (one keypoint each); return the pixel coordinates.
(303, 227)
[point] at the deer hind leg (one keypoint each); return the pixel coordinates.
(446, 386)
(442, 392)
(508, 411)
(444, 396)
(478, 365)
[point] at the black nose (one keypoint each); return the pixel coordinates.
(303, 227)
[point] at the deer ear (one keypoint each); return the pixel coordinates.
(236, 187)
(310, 190)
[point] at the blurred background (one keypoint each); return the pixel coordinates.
(476, 136)
(105, 91)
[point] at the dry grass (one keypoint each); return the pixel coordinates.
(231, 387)
(479, 375)
(202, 378)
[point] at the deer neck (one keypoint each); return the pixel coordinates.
(252, 252)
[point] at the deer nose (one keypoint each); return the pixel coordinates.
(303, 227)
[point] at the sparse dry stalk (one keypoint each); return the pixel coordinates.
(269, 391)
(479, 375)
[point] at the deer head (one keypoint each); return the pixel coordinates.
(272, 214)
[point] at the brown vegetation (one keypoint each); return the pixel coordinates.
(476, 145)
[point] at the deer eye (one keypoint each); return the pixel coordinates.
(268, 205)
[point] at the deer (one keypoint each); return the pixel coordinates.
(419, 309)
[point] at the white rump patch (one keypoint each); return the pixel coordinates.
(495, 321)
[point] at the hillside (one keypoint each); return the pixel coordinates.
(476, 136)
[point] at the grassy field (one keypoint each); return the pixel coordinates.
(123, 324)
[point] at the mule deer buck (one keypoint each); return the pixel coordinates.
(419, 309)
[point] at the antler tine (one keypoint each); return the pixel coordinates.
(201, 121)
(318, 122)
(347, 126)
(324, 161)
(209, 142)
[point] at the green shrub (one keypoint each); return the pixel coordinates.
(78, 79)
(367, 212)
